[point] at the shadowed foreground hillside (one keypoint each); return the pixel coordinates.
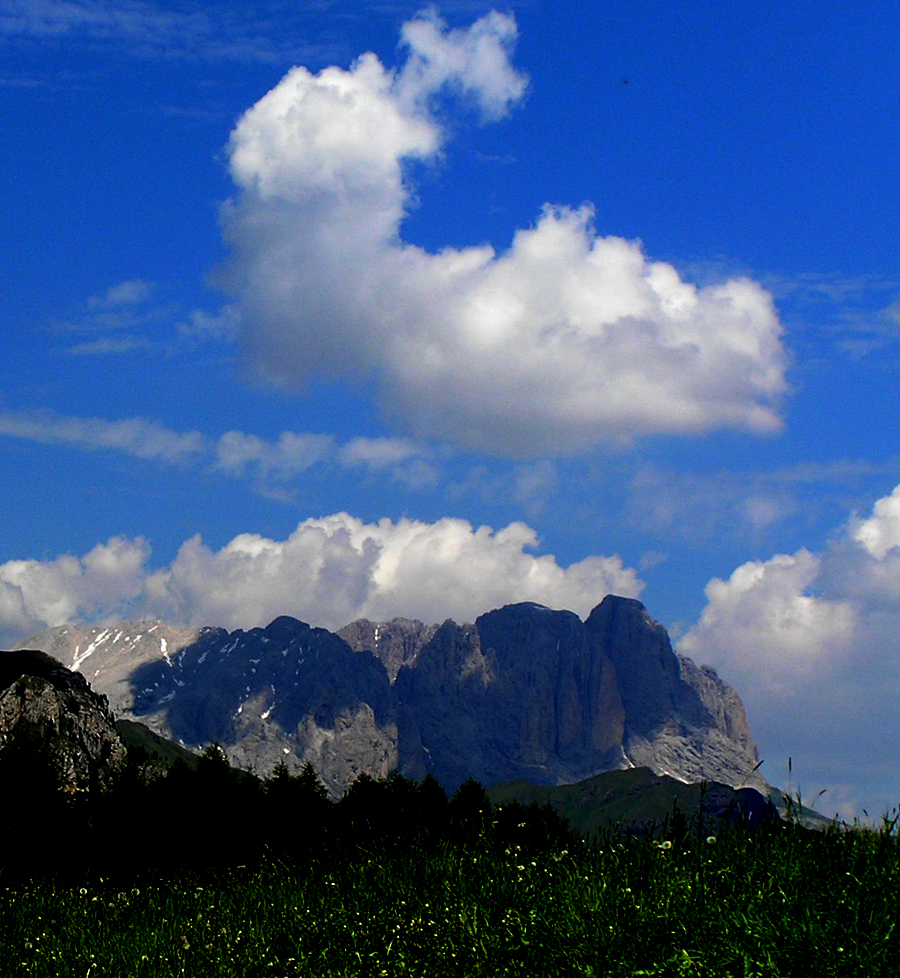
(215, 873)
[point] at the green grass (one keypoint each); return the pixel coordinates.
(782, 902)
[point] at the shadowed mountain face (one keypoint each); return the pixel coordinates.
(520, 690)
(524, 693)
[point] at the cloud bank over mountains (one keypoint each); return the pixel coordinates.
(810, 640)
(565, 341)
(328, 572)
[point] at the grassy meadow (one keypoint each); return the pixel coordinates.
(783, 901)
(211, 872)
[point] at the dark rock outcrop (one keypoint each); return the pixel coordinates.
(54, 708)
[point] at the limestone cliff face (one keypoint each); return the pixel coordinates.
(640, 652)
(523, 693)
(42, 699)
(681, 720)
(395, 643)
(721, 703)
(519, 694)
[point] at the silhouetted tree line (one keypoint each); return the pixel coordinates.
(174, 818)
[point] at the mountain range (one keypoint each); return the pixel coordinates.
(524, 693)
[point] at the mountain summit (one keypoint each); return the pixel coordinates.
(525, 692)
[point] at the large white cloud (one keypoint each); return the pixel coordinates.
(329, 571)
(562, 342)
(812, 642)
(105, 582)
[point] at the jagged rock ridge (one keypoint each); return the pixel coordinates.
(525, 692)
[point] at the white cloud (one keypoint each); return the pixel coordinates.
(129, 293)
(534, 485)
(274, 464)
(723, 503)
(271, 464)
(139, 437)
(564, 341)
(881, 532)
(101, 584)
(282, 460)
(763, 625)
(222, 325)
(334, 569)
(474, 61)
(328, 572)
(812, 642)
(376, 453)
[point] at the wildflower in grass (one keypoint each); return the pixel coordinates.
(666, 845)
(711, 840)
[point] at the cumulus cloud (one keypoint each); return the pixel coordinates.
(564, 341)
(104, 583)
(880, 534)
(812, 642)
(763, 622)
(329, 571)
(474, 61)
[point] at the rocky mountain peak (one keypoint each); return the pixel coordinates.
(640, 651)
(524, 692)
(396, 643)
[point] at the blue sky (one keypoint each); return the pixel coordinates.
(526, 304)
